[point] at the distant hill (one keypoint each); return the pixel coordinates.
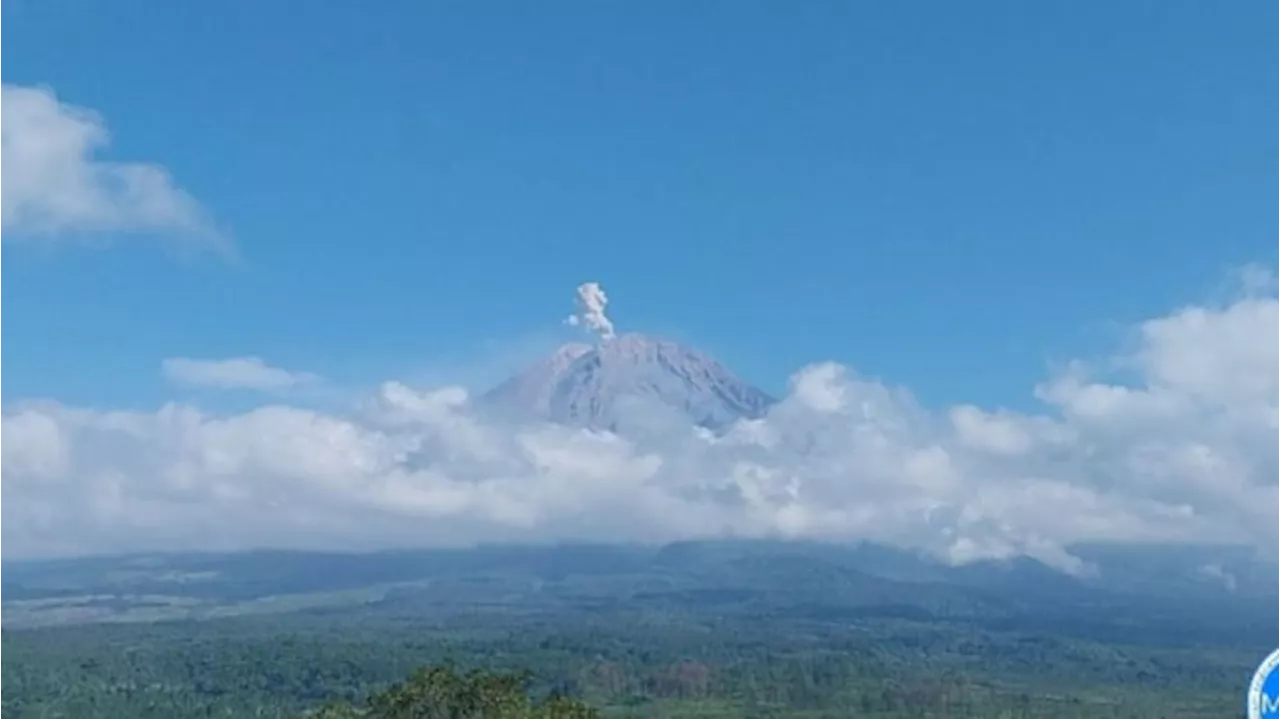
(1147, 593)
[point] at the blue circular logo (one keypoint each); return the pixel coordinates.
(1264, 690)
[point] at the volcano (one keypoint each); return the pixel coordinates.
(600, 386)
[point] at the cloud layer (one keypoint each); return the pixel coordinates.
(54, 186)
(1185, 450)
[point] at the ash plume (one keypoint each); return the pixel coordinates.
(591, 305)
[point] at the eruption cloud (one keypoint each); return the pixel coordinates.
(591, 305)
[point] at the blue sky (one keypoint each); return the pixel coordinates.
(947, 196)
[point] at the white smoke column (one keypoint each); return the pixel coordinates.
(591, 303)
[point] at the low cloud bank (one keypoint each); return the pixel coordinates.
(1187, 450)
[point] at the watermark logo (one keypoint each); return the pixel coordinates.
(1264, 690)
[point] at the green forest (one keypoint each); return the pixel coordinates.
(717, 632)
(254, 670)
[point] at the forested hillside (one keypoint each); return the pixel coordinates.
(693, 630)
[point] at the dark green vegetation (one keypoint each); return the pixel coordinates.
(442, 691)
(731, 629)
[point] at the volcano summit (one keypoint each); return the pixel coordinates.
(606, 385)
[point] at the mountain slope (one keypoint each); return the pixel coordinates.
(530, 392)
(609, 385)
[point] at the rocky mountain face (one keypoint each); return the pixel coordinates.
(606, 385)
(530, 392)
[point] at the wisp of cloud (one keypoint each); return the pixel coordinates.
(54, 185)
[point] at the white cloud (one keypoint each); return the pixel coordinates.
(53, 185)
(1187, 451)
(234, 373)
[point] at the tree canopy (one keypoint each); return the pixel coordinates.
(443, 692)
